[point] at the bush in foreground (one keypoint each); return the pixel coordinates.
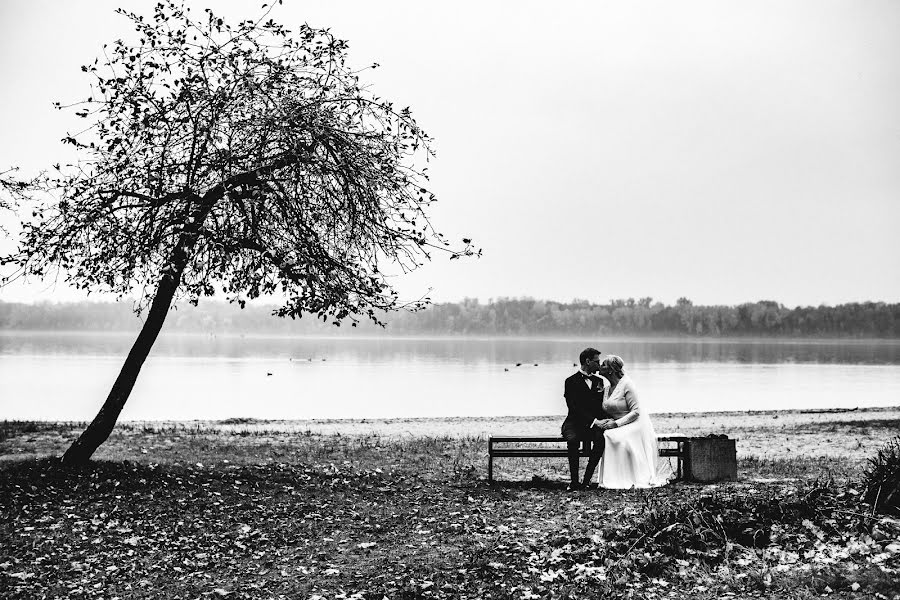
(882, 479)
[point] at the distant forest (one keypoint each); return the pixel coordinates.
(504, 316)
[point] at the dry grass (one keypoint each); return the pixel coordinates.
(845, 437)
(252, 509)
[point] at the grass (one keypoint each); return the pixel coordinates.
(252, 511)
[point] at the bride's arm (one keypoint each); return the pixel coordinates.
(631, 402)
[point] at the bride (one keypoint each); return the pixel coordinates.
(631, 457)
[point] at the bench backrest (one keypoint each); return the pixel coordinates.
(559, 438)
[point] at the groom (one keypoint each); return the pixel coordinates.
(586, 419)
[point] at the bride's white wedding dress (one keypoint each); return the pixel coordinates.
(631, 456)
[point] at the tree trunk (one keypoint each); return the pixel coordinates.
(98, 431)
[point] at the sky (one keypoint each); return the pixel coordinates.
(722, 151)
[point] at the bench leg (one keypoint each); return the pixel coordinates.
(680, 463)
(490, 469)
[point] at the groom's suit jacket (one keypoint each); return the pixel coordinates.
(585, 404)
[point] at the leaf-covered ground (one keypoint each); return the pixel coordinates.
(374, 523)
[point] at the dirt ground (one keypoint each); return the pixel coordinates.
(843, 440)
(402, 509)
(765, 434)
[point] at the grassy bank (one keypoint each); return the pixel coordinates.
(263, 510)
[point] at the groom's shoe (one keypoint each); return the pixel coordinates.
(573, 487)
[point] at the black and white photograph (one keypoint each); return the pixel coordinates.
(428, 300)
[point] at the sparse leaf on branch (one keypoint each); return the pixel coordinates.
(246, 159)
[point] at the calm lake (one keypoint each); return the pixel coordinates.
(66, 376)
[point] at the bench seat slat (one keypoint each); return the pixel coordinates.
(528, 438)
(534, 452)
(559, 438)
(551, 452)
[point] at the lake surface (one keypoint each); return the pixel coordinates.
(66, 376)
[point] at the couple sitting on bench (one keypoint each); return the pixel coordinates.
(605, 416)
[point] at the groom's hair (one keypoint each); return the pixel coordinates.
(586, 354)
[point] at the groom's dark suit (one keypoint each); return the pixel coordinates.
(585, 404)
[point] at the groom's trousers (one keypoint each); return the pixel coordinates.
(594, 443)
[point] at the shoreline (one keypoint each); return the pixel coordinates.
(851, 437)
(353, 423)
(611, 338)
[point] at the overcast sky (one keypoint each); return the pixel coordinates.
(722, 151)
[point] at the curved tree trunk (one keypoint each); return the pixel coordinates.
(96, 433)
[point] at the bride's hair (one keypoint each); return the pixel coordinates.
(615, 364)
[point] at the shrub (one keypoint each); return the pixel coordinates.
(882, 479)
(10, 429)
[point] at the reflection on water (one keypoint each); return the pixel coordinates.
(67, 376)
(463, 351)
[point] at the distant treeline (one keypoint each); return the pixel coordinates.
(504, 316)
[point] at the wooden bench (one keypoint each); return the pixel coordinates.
(513, 445)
